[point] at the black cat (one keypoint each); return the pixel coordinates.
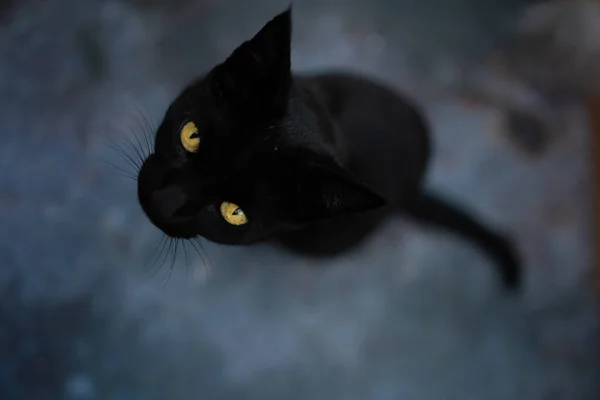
(251, 151)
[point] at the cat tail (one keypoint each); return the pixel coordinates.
(433, 210)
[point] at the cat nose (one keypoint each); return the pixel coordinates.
(159, 199)
(166, 203)
(169, 200)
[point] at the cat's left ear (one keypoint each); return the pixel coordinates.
(258, 71)
(322, 188)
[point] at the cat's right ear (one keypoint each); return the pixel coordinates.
(257, 73)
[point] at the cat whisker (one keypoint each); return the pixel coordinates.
(146, 127)
(136, 149)
(159, 255)
(150, 129)
(125, 175)
(202, 252)
(164, 255)
(120, 170)
(133, 149)
(153, 258)
(128, 170)
(173, 259)
(169, 247)
(187, 260)
(120, 151)
(148, 138)
(143, 152)
(146, 142)
(125, 156)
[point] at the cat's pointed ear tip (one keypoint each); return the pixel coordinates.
(287, 13)
(283, 20)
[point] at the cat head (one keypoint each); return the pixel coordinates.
(235, 159)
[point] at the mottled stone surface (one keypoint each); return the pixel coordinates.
(414, 314)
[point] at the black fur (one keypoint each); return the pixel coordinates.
(315, 161)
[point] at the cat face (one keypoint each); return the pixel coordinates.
(234, 158)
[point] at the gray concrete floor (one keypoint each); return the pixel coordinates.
(414, 314)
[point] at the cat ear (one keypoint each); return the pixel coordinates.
(258, 71)
(324, 189)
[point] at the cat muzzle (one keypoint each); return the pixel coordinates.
(165, 203)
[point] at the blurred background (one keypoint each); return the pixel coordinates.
(412, 314)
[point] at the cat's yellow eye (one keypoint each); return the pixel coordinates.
(190, 137)
(233, 214)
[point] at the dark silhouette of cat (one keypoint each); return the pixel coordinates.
(252, 152)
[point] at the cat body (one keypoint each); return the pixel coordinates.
(252, 152)
(377, 135)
